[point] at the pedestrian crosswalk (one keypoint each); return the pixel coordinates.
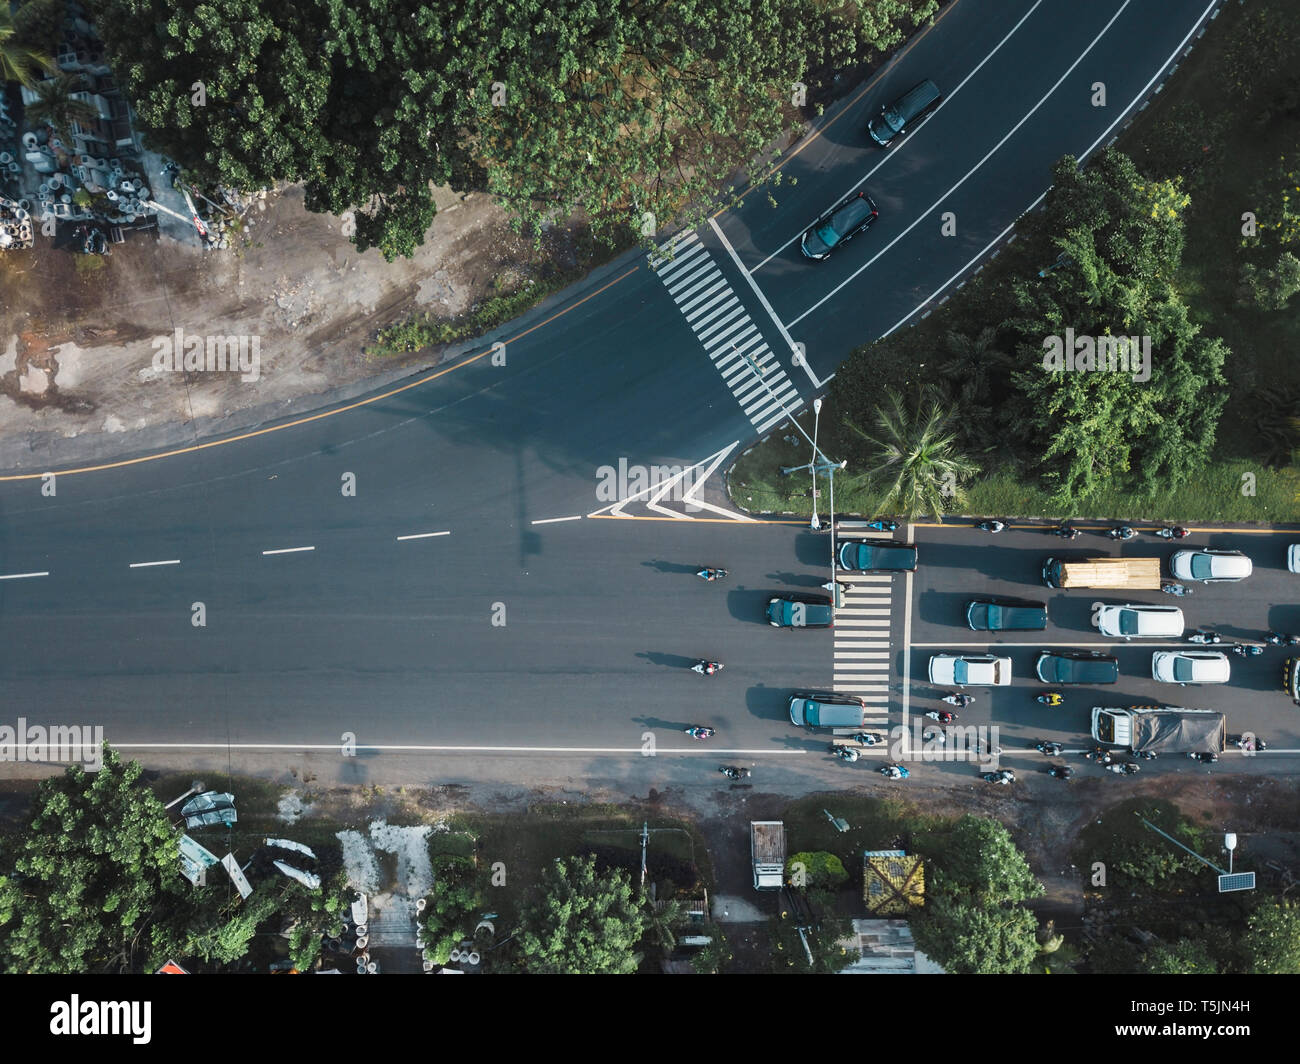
(862, 654)
(731, 339)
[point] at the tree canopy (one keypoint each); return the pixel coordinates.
(581, 923)
(631, 111)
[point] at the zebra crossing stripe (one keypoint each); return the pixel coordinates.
(726, 331)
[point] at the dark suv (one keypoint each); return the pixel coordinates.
(868, 557)
(1003, 615)
(826, 710)
(1077, 666)
(790, 612)
(851, 216)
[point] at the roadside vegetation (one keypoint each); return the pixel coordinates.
(1137, 244)
(1152, 907)
(629, 112)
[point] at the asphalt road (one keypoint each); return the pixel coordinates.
(321, 618)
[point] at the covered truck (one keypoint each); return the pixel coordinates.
(767, 850)
(1160, 729)
(1129, 574)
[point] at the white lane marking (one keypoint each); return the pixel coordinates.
(21, 576)
(553, 520)
(689, 499)
(422, 535)
(334, 748)
(287, 550)
(907, 644)
(969, 173)
(149, 565)
(1087, 151)
(799, 360)
(870, 173)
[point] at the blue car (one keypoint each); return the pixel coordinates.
(853, 215)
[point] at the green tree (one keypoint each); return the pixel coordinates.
(967, 938)
(819, 869)
(1186, 956)
(1145, 426)
(56, 107)
(18, 60)
(450, 913)
(1271, 288)
(975, 860)
(92, 869)
(915, 466)
(1271, 944)
(582, 923)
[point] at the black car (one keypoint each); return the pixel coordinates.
(872, 557)
(839, 225)
(1077, 666)
(791, 612)
(1004, 615)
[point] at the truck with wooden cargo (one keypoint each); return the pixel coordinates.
(1127, 574)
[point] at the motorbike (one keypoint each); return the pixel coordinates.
(1102, 757)
(1003, 776)
(894, 772)
(1050, 749)
(1244, 650)
(1061, 772)
(1124, 532)
(942, 716)
(1244, 742)
(711, 574)
(883, 525)
(845, 753)
(707, 668)
(1278, 639)
(698, 732)
(1174, 532)
(1146, 755)
(734, 773)
(868, 738)
(959, 700)
(1050, 698)
(1204, 636)
(1208, 757)
(990, 526)
(1126, 768)
(1066, 532)
(1169, 587)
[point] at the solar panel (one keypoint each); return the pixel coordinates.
(1236, 881)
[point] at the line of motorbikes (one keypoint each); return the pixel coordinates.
(1119, 532)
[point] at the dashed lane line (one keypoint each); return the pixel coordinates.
(287, 550)
(421, 535)
(150, 565)
(21, 576)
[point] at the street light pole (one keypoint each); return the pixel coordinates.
(817, 420)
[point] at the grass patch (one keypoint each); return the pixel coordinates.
(422, 331)
(756, 485)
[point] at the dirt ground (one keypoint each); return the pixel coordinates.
(76, 343)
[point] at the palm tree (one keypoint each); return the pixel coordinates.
(17, 61)
(916, 468)
(56, 107)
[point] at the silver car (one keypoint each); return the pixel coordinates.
(1209, 565)
(1190, 666)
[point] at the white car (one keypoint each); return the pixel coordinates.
(970, 670)
(1133, 619)
(1209, 565)
(1293, 558)
(1190, 666)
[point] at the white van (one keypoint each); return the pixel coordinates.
(1147, 622)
